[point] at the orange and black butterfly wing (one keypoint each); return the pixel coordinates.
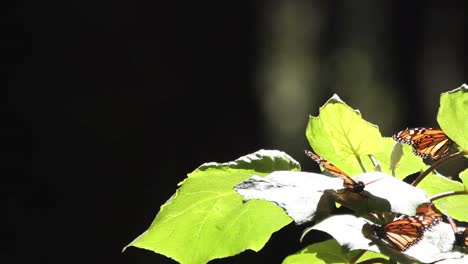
(435, 146)
(402, 233)
(426, 142)
(348, 182)
(428, 214)
(410, 135)
(327, 165)
(403, 237)
(428, 209)
(428, 220)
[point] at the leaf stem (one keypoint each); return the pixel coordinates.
(446, 194)
(435, 165)
(375, 163)
(358, 255)
(375, 260)
(361, 164)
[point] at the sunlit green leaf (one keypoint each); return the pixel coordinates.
(453, 113)
(341, 135)
(207, 219)
(408, 164)
(455, 205)
(329, 252)
(372, 255)
(464, 177)
(323, 252)
(435, 184)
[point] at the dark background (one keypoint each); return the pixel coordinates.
(110, 103)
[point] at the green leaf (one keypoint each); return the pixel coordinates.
(323, 252)
(435, 184)
(453, 113)
(340, 135)
(456, 204)
(262, 162)
(464, 177)
(329, 252)
(206, 219)
(408, 164)
(372, 255)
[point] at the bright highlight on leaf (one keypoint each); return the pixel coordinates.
(303, 195)
(340, 135)
(298, 193)
(207, 219)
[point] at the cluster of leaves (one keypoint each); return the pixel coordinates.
(222, 209)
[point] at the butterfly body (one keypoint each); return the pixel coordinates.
(426, 142)
(357, 187)
(348, 183)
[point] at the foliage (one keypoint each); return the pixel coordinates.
(222, 209)
(206, 218)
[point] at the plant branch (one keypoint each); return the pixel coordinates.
(375, 260)
(446, 194)
(358, 255)
(435, 165)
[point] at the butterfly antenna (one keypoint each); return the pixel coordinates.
(374, 180)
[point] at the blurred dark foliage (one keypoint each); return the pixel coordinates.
(110, 103)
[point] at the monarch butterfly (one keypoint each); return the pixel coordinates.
(401, 233)
(461, 237)
(425, 141)
(348, 183)
(428, 214)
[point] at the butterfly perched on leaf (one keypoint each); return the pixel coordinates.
(426, 142)
(348, 183)
(401, 233)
